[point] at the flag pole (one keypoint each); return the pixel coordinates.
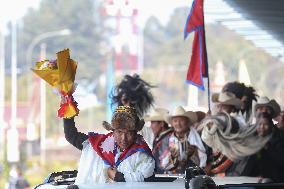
(207, 69)
(208, 93)
(208, 78)
(198, 66)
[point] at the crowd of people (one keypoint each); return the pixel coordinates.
(243, 135)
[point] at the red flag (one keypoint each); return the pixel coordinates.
(198, 67)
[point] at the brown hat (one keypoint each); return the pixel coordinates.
(180, 111)
(227, 98)
(125, 117)
(200, 115)
(264, 101)
(158, 114)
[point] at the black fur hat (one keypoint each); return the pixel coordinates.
(134, 90)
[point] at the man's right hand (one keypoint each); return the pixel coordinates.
(174, 152)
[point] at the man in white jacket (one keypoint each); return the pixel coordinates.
(121, 155)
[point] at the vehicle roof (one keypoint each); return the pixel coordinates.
(235, 180)
(179, 183)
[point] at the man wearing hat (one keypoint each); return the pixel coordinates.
(121, 155)
(247, 94)
(268, 162)
(228, 107)
(264, 104)
(231, 146)
(184, 145)
(160, 128)
(227, 102)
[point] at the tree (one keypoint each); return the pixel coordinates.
(85, 21)
(164, 47)
(88, 32)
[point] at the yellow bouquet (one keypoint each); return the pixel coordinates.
(60, 74)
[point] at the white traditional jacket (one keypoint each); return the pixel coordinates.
(93, 169)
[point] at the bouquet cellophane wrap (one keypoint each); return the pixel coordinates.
(60, 74)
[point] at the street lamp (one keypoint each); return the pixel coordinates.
(42, 36)
(34, 42)
(38, 39)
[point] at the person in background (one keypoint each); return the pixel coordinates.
(200, 116)
(183, 147)
(229, 103)
(268, 162)
(246, 94)
(160, 128)
(280, 119)
(122, 155)
(264, 104)
(135, 92)
(230, 145)
(226, 102)
(17, 180)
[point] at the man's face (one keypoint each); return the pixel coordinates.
(180, 124)
(266, 109)
(124, 138)
(225, 108)
(280, 120)
(263, 127)
(157, 127)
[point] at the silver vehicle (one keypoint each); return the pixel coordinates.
(194, 178)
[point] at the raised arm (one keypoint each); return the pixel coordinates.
(72, 135)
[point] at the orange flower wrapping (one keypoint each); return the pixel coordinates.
(61, 75)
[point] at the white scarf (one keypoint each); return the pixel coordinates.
(233, 145)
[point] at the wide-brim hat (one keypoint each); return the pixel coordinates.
(125, 117)
(265, 101)
(181, 112)
(158, 114)
(227, 98)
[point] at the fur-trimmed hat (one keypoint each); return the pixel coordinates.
(125, 117)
